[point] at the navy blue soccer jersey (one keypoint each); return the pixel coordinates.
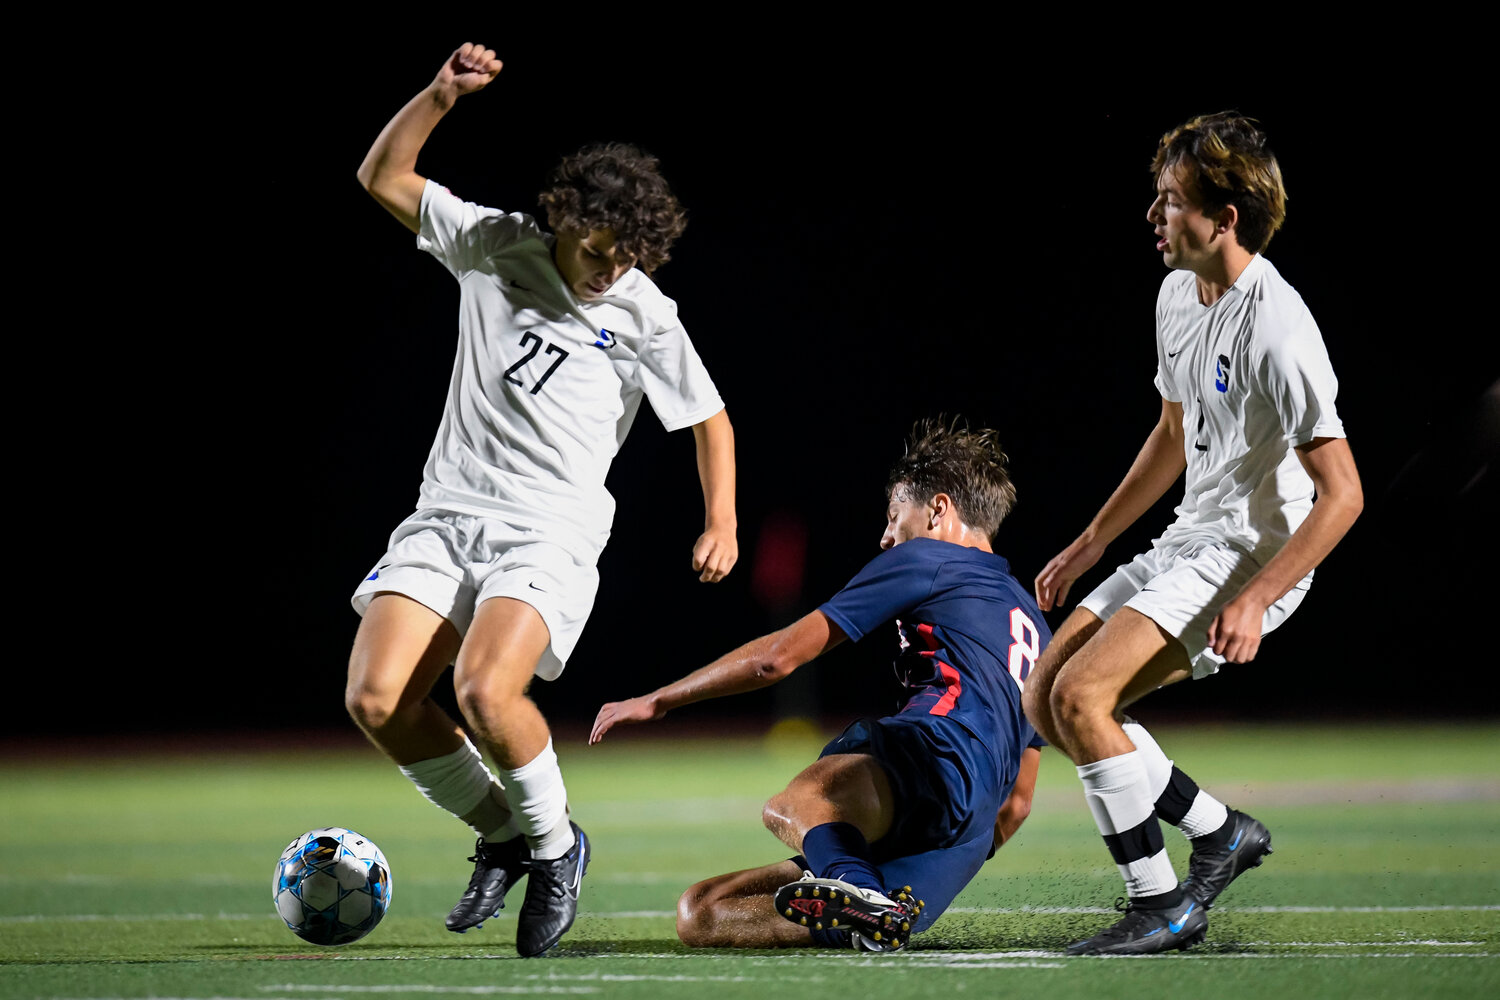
(969, 634)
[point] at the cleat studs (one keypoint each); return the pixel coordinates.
(846, 900)
(803, 921)
(816, 893)
(787, 911)
(798, 894)
(905, 926)
(877, 935)
(818, 926)
(835, 921)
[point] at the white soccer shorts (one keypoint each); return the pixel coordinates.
(453, 562)
(1182, 590)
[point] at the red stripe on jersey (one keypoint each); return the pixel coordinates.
(950, 697)
(955, 683)
(925, 631)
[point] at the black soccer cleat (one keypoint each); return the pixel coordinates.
(876, 922)
(1145, 931)
(551, 903)
(1212, 868)
(497, 867)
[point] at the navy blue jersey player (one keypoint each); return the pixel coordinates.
(899, 813)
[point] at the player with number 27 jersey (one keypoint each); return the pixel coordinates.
(545, 386)
(969, 636)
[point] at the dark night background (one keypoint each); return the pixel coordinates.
(874, 237)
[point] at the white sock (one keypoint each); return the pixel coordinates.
(1118, 793)
(1205, 815)
(461, 784)
(539, 803)
(1158, 767)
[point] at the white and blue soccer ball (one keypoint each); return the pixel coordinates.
(332, 886)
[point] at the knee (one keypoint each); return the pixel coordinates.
(371, 710)
(483, 694)
(778, 814)
(695, 915)
(1069, 705)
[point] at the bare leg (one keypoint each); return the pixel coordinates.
(1077, 629)
(841, 788)
(492, 673)
(735, 911)
(401, 649)
(1127, 658)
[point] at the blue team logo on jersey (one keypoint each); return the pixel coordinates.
(1221, 374)
(606, 340)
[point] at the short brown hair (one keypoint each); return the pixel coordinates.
(1229, 162)
(619, 187)
(944, 456)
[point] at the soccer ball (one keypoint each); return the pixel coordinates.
(332, 886)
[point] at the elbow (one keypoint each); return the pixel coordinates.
(1011, 816)
(366, 175)
(1020, 808)
(1349, 501)
(371, 177)
(774, 668)
(777, 663)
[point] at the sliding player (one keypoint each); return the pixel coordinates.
(1248, 411)
(898, 813)
(559, 337)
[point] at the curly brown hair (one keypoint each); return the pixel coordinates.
(944, 456)
(1229, 162)
(619, 187)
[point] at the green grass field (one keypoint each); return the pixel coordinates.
(149, 876)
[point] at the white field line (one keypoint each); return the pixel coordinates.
(35, 918)
(427, 988)
(334, 991)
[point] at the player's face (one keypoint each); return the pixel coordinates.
(1184, 234)
(590, 262)
(905, 518)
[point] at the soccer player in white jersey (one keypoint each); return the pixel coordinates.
(560, 336)
(1248, 413)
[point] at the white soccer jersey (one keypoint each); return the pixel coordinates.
(545, 386)
(1254, 381)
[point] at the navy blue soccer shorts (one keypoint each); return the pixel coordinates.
(946, 794)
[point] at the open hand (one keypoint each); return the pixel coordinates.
(631, 710)
(1055, 579)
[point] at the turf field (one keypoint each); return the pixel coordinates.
(149, 875)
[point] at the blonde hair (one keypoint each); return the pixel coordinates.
(1228, 161)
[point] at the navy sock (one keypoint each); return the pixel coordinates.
(839, 850)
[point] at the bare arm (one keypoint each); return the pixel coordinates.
(1235, 632)
(1160, 461)
(1018, 806)
(389, 171)
(757, 664)
(716, 551)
